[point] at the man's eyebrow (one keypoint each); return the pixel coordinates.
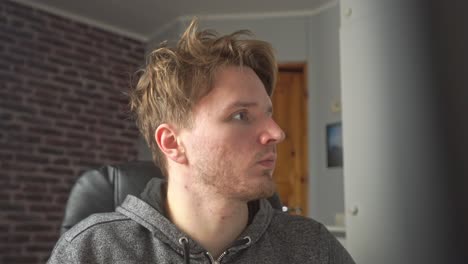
(245, 104)
(241, 104)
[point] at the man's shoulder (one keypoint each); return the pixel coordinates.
(96, 222)
(296, 222)
(307, 236)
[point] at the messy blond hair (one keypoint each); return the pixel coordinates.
(176, 78)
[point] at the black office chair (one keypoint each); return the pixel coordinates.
(102, 190)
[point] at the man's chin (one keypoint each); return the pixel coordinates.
(262, 191)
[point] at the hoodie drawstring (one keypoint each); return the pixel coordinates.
(184, 242)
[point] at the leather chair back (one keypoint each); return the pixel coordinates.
(102, 190)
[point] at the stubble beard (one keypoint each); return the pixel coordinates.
(221, 178)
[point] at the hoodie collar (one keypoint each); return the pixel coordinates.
(149, 211)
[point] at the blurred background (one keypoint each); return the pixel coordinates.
(389, 76)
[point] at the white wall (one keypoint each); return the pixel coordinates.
(311, 37)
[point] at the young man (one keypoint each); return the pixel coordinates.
(204, 108)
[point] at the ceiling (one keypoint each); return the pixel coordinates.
(142, 19)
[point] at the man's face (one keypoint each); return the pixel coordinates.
(231, 147)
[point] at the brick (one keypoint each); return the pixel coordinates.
(122, 100)
(37, 179)
(61, 161)
(73, 56)
(7, 39)
(86, 119)
(56, 114)
(6, 117)
(78, 39)
(18, 168)
(64, 143)
(23, 138)
(34, 197)
(5, 196)
(45, 238)
(44, 94)
(45, 207)
(48, 86)
(87, 163)
(81, 136)
(4, 66)
(82, 154)
(62, 61)
(23, 12)
(32, 227)
(96, 78)
(4, 228)
(33, 188)
(8, 77)
(47, 131)
(54, 41)
(75, 100)
(19, 89)
(58, 171)
(88, 66)
(61, 189)
(17, 238)
(9, 127)
(8, 207)
(47, 103)
(10, 97)
(63, 27)
(101, 130)
(116, 142)
(17, 107)
(119, 44)
(50, 151)
(41, 30)
(39, 248)
(61, 199)
(28, 54)
(43, 66)
(73, 109)
(14, 33)
(17, 259)
(64, 124)
(34, 120)
(7, 249)
(35, 46)
(16, 147)
(31, 73)
(70, 73)
(112, 124)
(86, 51)
(31, 158)
(12, 58)
(54, 218)
(89, 95)
(119, 74)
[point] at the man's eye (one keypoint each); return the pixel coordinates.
(241, 116)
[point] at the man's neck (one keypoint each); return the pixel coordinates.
(213, 221)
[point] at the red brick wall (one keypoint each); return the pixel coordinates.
(62, 110)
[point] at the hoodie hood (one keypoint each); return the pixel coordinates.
(151, 214)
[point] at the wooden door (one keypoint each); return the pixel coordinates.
(290, 112)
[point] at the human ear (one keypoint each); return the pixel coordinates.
(166, 137)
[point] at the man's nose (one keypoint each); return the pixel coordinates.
(272, 134)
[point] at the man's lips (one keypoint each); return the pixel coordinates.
(268, 162)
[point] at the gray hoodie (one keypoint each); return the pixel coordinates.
(139, 232)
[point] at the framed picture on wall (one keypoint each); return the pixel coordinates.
(334, 145)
